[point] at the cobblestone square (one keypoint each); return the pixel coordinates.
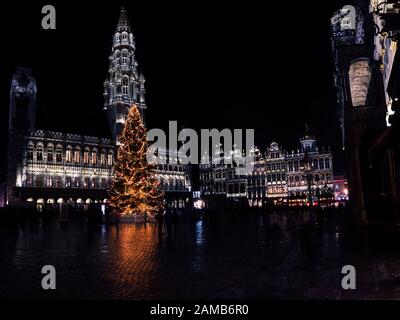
(219, 258)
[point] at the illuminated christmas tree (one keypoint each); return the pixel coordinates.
(135, 189)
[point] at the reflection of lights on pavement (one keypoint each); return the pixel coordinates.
(199, 204)
(199, 233)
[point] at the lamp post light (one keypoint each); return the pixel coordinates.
(317, 191)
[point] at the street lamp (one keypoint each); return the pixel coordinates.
(318, 191)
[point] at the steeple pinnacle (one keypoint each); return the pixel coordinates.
(123, 22)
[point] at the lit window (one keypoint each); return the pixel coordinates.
(49, 182)
(77, 182)
(86, 183)
(94, 157)
(68, 155)
(86, 157)
(68, 181)
(103, 159)
(110, 159)
(125, 85)
(77, 156)
(359, 79)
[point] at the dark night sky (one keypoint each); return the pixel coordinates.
(233, 65)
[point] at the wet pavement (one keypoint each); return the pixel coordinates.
(233, 258)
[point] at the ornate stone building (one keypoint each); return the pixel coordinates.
(275, 167)
(47, 167)
(221, 184)
(278, 177)
(309, 172)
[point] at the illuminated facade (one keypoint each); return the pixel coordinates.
(309, 162)
(49, 167)
(277, 177)
(275, 167)
(124, 85)
(267, 182)
(46, 167)
(222, 182)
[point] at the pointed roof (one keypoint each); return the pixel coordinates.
(123, 22)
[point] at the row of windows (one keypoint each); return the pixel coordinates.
(220, 175)
(276, 166)
(316, 164)
(230, 188)
(234, 188)
(68, 182)
(260, 180)
(300, 180)
(123, 36)
(172, 184)
(70, 156)
(260, 193)
(292, 166)
(169, 167)
(275, 155)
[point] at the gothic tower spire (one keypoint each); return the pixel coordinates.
(124, 85)
(123, 22)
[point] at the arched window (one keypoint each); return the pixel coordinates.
(68, 154)
(86, 156)
(39, 152)
(94, 156)
(50, 152)
(59, 151)
(77, 155)
(49, 181)
(68, 182)
(86, 182)
(29, 153)
(103, 157)
(125, 83)
(110, 159)
(125, 59)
